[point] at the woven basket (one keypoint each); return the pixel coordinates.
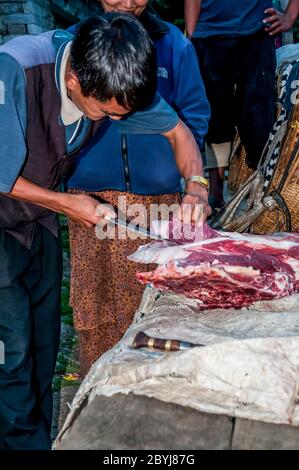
(275, 221)
(238, 172)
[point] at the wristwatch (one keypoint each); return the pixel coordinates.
(198, 179)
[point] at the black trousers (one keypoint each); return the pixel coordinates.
(30, 282)
(239, 76)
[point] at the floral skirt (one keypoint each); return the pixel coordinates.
(105, 293)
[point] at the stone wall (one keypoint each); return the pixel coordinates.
(35, 16)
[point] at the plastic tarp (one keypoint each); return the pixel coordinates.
(287, 53)
(249, 366)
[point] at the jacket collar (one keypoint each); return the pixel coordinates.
(155, 27)
(153, 24)
(62, 42)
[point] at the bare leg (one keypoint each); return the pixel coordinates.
(217, 160)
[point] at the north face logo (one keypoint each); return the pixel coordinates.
(162, 72)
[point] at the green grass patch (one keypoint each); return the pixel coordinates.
(67, 362)
(66, 309)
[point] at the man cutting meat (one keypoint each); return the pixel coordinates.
(51, 100)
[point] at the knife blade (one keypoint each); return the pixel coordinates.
(134, 228)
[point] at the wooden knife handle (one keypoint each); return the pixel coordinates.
(141, 340)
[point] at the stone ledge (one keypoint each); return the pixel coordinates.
(43, 11)
(17, 29)
(26, 18)
(3, 28)
(35, 29)
(9, 8)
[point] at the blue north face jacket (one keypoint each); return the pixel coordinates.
(145, 164)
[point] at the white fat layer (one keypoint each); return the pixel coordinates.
(157, 253)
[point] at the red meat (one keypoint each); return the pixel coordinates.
(225, 270)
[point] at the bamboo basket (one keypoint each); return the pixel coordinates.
(238, 172)
(285, 181)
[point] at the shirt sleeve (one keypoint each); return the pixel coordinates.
(158, 118)
(189, 93)
(13, 121)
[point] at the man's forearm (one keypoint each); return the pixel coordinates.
(293, 10)
(192, 10)
(27, 191)
(187, 154)
(194, 207)
(81, 208)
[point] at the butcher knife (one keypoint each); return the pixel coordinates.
(141, 340)
(134, 228)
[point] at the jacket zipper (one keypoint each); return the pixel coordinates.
(124, 152)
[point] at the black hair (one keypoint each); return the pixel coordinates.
(113, 56)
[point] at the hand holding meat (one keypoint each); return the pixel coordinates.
(194, 208)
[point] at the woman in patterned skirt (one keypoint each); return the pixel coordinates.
(104, 291)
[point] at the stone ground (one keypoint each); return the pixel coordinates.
(66, 389)
(61, 404)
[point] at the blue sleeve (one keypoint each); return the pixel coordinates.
(72, 29)
(13, 121)
(158, 118)
(60, 37)
(189, 92)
